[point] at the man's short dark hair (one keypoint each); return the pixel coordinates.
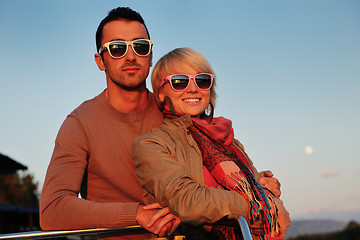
(116, 14)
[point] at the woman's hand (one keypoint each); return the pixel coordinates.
(268, 181)
(163, 222)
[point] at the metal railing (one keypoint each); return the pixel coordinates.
(101, 232)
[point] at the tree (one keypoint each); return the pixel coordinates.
(19, 189)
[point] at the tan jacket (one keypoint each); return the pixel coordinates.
(169, 165)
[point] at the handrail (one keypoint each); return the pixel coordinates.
(83, 232)
(137, 229)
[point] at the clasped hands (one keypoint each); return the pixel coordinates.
(157, 219)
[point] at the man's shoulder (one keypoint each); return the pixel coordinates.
(87, 107)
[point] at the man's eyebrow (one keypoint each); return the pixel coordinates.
(120, 39)
(116, 39)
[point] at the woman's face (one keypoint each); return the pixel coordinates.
(192, 100)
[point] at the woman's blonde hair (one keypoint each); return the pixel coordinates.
(187, 56)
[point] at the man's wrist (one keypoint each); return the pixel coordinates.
(138, 210)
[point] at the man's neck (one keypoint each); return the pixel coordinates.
(127, 101)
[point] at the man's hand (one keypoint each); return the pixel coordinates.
(157, 219)
(268, 181)
(283, 220)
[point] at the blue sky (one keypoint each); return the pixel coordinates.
(288, 75)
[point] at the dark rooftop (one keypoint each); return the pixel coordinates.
(9, 166)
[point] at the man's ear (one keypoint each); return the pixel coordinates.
(99, 61)
(150, 59)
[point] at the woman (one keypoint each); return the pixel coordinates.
(191, 161)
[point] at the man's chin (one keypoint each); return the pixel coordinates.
(133, 88)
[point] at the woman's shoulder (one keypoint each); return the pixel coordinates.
(168, 133)
(155, 133)
(163, 131)
(171, 126)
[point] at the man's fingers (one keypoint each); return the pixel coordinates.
(152, 206)
(280, 236)
(269, 180)
(176, 223)
(276, 191)
(266, 173)
(161, 213)
(165, 225)
(272, 184)
(162, 221)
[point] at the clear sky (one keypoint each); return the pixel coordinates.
(288, 75)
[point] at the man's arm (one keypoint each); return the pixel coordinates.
(283, 219)
(60, 207)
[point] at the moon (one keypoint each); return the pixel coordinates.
(309, 150)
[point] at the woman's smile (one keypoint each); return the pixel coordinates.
(192, 100)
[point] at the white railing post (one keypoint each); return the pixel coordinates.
(244, 228)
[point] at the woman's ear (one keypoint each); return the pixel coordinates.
(99, 61)
(167, 104)
(161, 95)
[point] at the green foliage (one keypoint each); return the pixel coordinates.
(20, 190)
(351, 232)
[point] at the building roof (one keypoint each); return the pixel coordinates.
(9, 166)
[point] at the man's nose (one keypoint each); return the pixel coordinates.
(130, 55)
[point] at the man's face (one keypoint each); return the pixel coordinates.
(130, 71)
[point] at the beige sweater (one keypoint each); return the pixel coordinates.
(92, 155)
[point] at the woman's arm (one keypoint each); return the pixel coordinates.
(162, 175)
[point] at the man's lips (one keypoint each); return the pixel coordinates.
(131, 70)
(131, 67)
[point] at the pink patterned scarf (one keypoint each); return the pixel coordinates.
(232, 171)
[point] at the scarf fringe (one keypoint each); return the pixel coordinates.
(241, 180)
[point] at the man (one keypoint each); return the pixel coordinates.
(92, 154)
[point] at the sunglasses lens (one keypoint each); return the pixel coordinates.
(117, 49)
(141, 47)
(203, 81)
(179, 82)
